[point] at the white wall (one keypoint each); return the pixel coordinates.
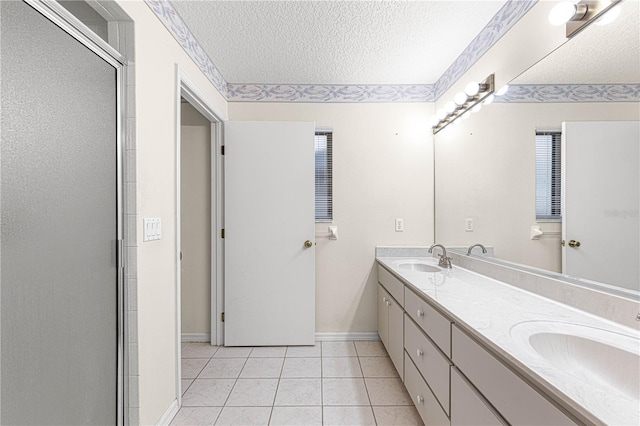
(382, 170)
(195, 219)
(155, 98)
(485, 170)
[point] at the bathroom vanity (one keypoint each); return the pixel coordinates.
(472, 350)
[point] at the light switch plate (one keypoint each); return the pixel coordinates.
(152, 229)
(399, 224)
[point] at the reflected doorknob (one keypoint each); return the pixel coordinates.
(308, 244)
(574, 244)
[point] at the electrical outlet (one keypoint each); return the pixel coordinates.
(399, 224)
(468, 224)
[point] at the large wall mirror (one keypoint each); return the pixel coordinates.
(485, 166)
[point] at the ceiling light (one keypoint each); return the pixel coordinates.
(576, 15)
(450, 107)
(609, 16)
(562, 13)
(460, 98)
(472, 89)
(462, 105)
(503, 90)
(489, 99)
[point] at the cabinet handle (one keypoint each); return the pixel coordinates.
(419, 352)
(420, 399)
(420, 313)
(388, 303)
(384, 299)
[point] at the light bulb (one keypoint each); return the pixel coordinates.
(472, 88)
(477, 107)
(441, 113)
(488, 99)
(503, 90)
(460, 98)
(562, 13)
(450, 106)
(609, 16)
(466, 115)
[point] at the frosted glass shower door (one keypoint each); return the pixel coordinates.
(58, 188)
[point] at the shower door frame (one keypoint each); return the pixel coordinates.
(62, 18)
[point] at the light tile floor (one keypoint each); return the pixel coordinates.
(331, 383)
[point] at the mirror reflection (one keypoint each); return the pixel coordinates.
(585, 189)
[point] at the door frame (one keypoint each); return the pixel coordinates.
(67, 22)
(186, 88)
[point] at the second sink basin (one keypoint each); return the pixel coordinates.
(605, 361)
(418, 266)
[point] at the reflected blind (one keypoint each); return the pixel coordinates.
(324, 176)
(548, 179)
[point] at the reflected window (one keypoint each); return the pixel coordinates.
(548, 176)
(324, 176)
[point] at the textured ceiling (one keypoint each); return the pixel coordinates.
(335, 42)
(601, 54)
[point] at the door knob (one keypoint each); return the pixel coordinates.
(308, 244)
(574, 244)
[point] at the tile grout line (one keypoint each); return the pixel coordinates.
(367, 390)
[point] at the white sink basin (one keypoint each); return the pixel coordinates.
(604, 361)
(591, 360)
(418, 266)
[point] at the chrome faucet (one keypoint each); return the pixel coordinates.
(444, 262)
(484, 250)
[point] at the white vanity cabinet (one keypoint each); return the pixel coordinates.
(515, 399)
(390, 327)
(452, 379)
(469, 406)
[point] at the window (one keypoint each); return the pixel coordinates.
(548, 180)
(324, 176)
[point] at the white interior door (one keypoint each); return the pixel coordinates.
(600, 184)
(269, 215)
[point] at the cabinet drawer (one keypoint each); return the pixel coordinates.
(393, 285)
(434, 366)
(468, 408)
(516, 401)
(436, 325)
(425, 402)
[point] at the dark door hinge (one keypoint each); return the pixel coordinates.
(222, 317)
(222, 149)
(222, 233)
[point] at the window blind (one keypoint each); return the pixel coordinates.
(548, 177)
(324, 176)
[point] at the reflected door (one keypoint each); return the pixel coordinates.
(58, 226)
(600, 196)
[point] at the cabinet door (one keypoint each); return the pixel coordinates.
(468, 408)
(383, 316)
(396, 336)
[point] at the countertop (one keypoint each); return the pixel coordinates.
(502, 316)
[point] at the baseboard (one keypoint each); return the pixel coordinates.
(196, 337)
(337, 337)
(168, 415)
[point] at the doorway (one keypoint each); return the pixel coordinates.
(61, 232)
(199, 220)
(195, 224)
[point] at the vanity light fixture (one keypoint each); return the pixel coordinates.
(576, 15)
(464, 103)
